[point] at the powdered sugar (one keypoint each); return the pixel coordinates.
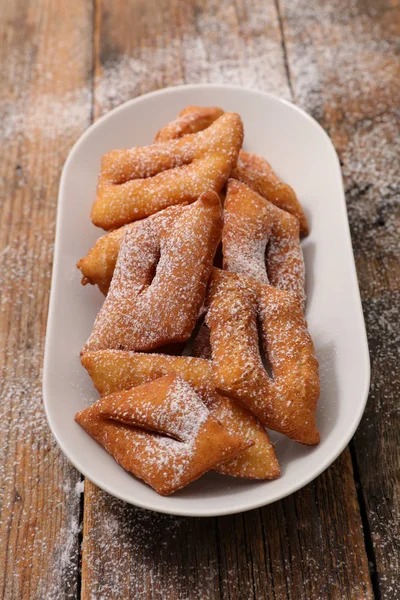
(167, 256)
(124, 532)
(369, 168)
(338, 83)
(184, 401)
(344, 64)
(49, 117)
(46, 117)
(79, 487)
(235, 303)
(257, 173)
(138, 182)
(17, 260)
(185, 441)
(219, 46)
(262, 241)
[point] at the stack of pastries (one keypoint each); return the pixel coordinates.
(200, 346)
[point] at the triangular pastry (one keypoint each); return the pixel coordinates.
(138, 182)
(113, 371)
(287, 400)
(161, 432)
(160, 278)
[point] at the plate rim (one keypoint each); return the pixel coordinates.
(328, 461)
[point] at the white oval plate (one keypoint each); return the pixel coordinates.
(303, 155)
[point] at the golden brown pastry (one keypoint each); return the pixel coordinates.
(161, 432)
(257, 462)
(138, 182)
(160, 279)
(257, 173)
(262, 241)
(251, 169)
(191, 119)
(116, 370)
(285, 402)
(168, 418)
(259, 240)
(113, 370)
(98, 265)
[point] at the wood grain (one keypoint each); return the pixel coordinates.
(309, 546)
(345, 70)
(45, 59)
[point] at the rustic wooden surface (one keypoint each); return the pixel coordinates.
(45, 58)
(64, 64)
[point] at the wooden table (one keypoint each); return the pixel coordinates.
(63, 65)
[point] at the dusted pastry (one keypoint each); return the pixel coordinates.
(112, 371)
(191, 119)
(160, 279)
(262, 241)
(251, 169)
(161, 432)
(287, 400)
(141, 181)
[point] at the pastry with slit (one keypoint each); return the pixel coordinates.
(262, 241)
(160, 278)
(259, 239)
(112, 371)
(286, 400)
(161, 432)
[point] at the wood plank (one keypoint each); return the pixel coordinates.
(45, 59)
(144, 45)
(131, 553)
(309, 546)
(304, 547)
(345, 70)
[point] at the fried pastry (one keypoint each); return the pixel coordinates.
(261, 240)
(257, 462)
(161, 432)
(160, 278)
(112, 371)
(285, 402)
(115, 370)
(138, 182)
(251, 169)
(98, 265)
(258, 174)
(191, 119)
